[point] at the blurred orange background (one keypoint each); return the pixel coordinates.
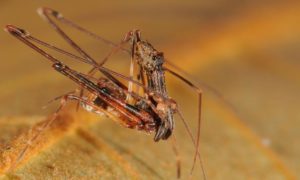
(248, 51)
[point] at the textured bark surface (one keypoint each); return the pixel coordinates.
(248, 51)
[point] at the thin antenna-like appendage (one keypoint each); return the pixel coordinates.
(188, 129)
(57, 98)
(44, 12)
(50, 46)
(57, 15)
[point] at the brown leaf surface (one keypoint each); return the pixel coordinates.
(247, 51)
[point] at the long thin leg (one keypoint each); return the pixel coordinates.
(199, 92)
(202, 84)
(44, 12)
(194, 143)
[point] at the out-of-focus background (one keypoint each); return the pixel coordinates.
(246, 50)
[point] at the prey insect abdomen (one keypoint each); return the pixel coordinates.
(131, 117)
(139, 116)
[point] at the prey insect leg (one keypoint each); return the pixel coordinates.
(57, 98)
